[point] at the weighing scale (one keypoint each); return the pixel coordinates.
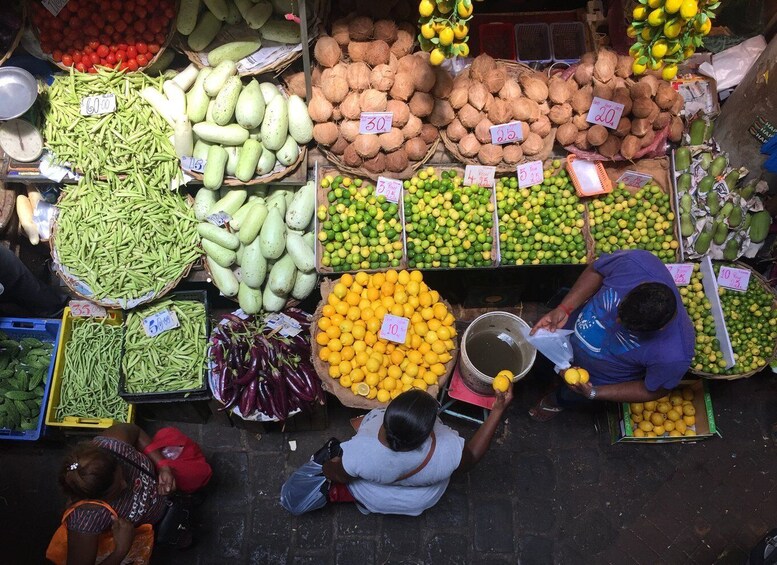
(20, 140)
(456, 391)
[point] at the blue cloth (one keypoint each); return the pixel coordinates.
(613, 354)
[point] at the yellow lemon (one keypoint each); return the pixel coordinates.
(646, 33)
(347, 279)
(657, 18)
(689, 420)
(639, 13)
(446, 36)
(655, 3)
(638, 68)
(430, 378)
(372, 379)
(464, 9)
(501, 382)
(427, 30)
(436, 57)
(672, 6)
(362, 389)
(572, 376)
(659, 430)
(657, 419)
(345, 381)
(672, 29)
(689, 9)
(357, 375)
(461, 48)
(420, 384)
(584, 376)
(460, 32)
(425, 9)
(383, 395)
(362, 278)
(322, 338)
(689, 410)
(669, 72)
(705, 27)
(335, 344)
(631, 32)
(659, 49)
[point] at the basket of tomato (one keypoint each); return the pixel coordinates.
(84, 34)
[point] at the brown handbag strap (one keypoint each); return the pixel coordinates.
(423, 464)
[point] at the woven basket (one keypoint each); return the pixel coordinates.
(514, 70)
(768, 288)
(18, 38)
(344, 395)
(277, 173)
(362, 172)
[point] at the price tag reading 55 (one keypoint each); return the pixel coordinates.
(605, 113)
(375, 122)
(394, 328)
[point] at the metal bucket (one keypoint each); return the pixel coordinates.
(491, 343)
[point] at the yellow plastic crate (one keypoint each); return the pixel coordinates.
(115, 318)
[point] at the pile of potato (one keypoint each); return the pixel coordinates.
(484, 95)
(650, 106)
(367, 66)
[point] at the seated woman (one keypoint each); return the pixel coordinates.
(112, 468)
(402, 457)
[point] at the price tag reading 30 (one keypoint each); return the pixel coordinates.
(604, 113)
(86, 309)
(375, 122)
(506, 133)
(681, 273)
(394, 328)
(98, 105)
(390, 188)
(735, 279)
(479, 175)
(160, 322)
(530, 174)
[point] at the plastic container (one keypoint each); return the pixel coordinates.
(66, 331)
(497, 39)
(47, 331)
(497, 338)
(532, 43)
(190, 395)
(567, 41)
(588, 177)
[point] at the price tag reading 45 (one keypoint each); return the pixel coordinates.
(86, 309)
(735, 279)
(604, 113)
(390, 188)
(160, 322)
(375, 122)
(506, 133)
(530, 174)
(394, 328)
(98, 105)
(681, 273)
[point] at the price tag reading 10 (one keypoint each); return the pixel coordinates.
(394, 328)
(735, 279)
(375, 122)
(160, 322)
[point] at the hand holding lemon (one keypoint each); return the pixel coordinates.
(576, 375)
(503, 386)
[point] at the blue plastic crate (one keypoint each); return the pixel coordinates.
(46, 331)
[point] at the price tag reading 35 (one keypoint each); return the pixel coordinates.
(735, 279)
(506, 133)
(530, 174)
(390, 188)
(394, 328)
(86, 309)
(605, 113)
(681, 273)
(98, 105)
(160, 322)
(375, 122)
(192, 164)
(479, 175)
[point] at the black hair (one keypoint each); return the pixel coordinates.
(409, 420)
(88, 471)
(648, 307)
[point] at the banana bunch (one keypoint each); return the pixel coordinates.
(444, 28)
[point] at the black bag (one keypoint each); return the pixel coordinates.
(329, 450)
(765, 551)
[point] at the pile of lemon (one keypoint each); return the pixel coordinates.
(444, 28)
(672, 415)
(374, 367)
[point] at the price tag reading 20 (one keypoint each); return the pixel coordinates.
(394, 328)
(605, 113)
(375, 122)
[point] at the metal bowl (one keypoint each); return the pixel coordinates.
(18, 91)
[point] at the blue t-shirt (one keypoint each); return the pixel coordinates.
(613, 354)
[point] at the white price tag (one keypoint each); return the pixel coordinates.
(530, 174)
(98, 105)
(635, 179)
(160, 322)
(605, 113)
(54, 6)
(506, 133)
(390, 188)
(286, 325)
(479, 175)
(394, 328)
(192, 164)
(735, 279)
(681, 273)
(375, 122)
(219, 218)
(86, 309)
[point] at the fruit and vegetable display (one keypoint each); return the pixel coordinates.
(367, 66)
(90, 377)
(349, 339)
(24, 366)
(259, 373)
(486, 94)
(650, 114)
(708, 357)
(643, 220)
(673, 415)
(721, 214)
(447, 224)
(444, 27)
(85, 37)
(170, 361)
(668, 32)
(541, 224)
(265, 254)
(357, 228)
(120, 242)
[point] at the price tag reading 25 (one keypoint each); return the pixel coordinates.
(375, 122)
(506, 133)
(604, 113)
(394, 328)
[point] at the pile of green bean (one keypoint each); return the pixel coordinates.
(133, 138)
(90, 379)
(123, 237)
(171, 361)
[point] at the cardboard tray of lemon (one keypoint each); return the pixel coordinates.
(361, 368)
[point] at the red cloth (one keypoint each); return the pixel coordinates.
(190, 469)
(338, 492)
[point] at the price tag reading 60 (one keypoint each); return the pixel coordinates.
(98, 105)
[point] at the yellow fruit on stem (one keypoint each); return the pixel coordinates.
(647, 33)
(631, 32)
(436, 56)
(427, 30)
(657, 18)
(464, 8)
(445, 7)
(461, 49)
(672, 6)
(639, 13)
(638, 68)
(655, 65)
(672, 29)
(446, 37)
(669, 72)
(659, 49)
(576, 375)
(426, 8)
(689, 9)
(460, 31)
(705, 27)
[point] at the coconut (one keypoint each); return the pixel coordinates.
(511, 90)
(319, 108)
(403, 87)
(376, 165)
(458, 97)
(495, 80)
(396, 161)
(391, 140)
(542, 126)
(357, 51)
(335, 90)
(416, 149)
(606, 62)
(469, 145)
(581, 141)
(640, 90)
(560, 114)
(338, 147)
(624, 127)
(423, 77)
(443, 83)
(349, 129)
(372, 100)
(400, 112)
(623, 68)
(584, 73)
(367, 145)
(403, 44)
(642, 107)
(489, 154)
(525, 130)
(327, 51)
(630, 146)
(499, 112)
(407, 64)
(480, 67)
(676, 129)
(648, 138)
(377, 53)
(558, 91)
(455, 131)
(625, 100)
(358, 76)
(385, 30)
(581, 121)
(340, 32)
(566, 134)
(534, 88)
(478, 96)
(429, 133)
(442, 112)
(483, 131)
(525, 109)
(610, 147)
(652, 82)
(512, 154)
(326, 133)
(640, 126)
(677, 105)
(413, 127)
(296, 84)
(462, 79)
(469, 116)
(582, 99)
(665, 95)
(422, 104)
(350, 108)
(662, 120)
(382, 78)
(603, 91)
(597, 135)
(393, 63)
(315, 76)
(351, 158)
(336, 114)
(532, 144)
(360, 28)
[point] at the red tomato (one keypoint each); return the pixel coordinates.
(94, 45)
(108, 30)
(155, 26)
(153, 48)
(76, 56)
(142, 60)
(92, 70)
(88, 50)
(132, 52)
(110, 59)
(67, 60)
(57, 55)
(121, 55)
(159, 38)
(94, 58)
(132, 65)
(141, 47)
(141, 12)
(116, 4)
(139, 26)
(127, 17)
(169, 12)
(80, 68)
(103, 50)
(123, 66)
(121, 46)
(120, 25)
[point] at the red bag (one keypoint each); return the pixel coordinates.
(190, 469)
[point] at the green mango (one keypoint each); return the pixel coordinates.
(759, 226)
(735, 217)
(719, 233)
(728, 207)
(718, 165)
(684, 182)
(713, 203)
(732, 179)
(682, 159)
(731, 251)
(702, 244)
(686, 226)
(700, 131)
(705, 160)
(747, 191)
(706, 184)
(686, 202)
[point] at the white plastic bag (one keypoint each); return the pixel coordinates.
(305, 490)
(553, 345)
(730, 66)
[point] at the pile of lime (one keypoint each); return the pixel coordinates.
(541, 224)
(358, 230)
(708, 357)
(620, 220)
(448, 225)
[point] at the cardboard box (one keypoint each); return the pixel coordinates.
(621, 431)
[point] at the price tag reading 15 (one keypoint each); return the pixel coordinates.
(375, 122)
(98, 105)
(394, 328)
(193, 164)
(604, 113)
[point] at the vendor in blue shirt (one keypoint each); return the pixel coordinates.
(631, 333)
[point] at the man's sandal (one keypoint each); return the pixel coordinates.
(544, 410)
